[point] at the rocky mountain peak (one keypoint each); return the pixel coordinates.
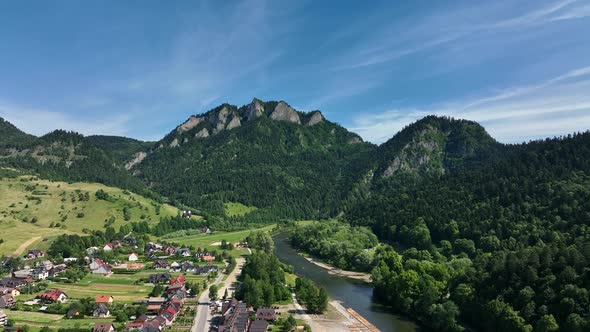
(254, 110)
(284, 112)
(315, 118)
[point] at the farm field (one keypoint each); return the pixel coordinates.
(34, 209)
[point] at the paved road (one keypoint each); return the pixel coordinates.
(203, 316)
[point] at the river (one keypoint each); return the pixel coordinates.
(354, 294)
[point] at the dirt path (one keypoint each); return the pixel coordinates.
(25, 245)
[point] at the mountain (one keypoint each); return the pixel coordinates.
(434, 145)
(264, 154)
(62, 155)
(12, 136)
(503, 234)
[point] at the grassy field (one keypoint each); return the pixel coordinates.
(36, 320)
(29, 209)
(237, 209)
(209, 241)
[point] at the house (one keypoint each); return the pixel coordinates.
(34, 253)
(137, 324)
(9, 290)
(40, 273)
(96, 264)
(74, 313)
(53, 295)
(206, 230)
(3, 318)
(105, 299)
(15, 282)
(7, 301)
(160, 265)
(160, 278)
(187, 266)
(46, 264)
(133, 257)
(103, 327)
(22, 274)
(70, 259)
(101, 311)
(170, 250)
(56, 270)
(175, 266)
(267, 314)
(208, 258)
(259, 325)
(108, 247)
(184, 252)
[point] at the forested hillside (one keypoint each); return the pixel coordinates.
(507, 238)
(294, 164)
(68, 156)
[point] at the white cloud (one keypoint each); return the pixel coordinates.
(557, 106)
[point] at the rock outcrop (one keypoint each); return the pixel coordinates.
(137, 158)
(174, 143)
(234, 122)
(254, 110)
(202, 133)
(189, 124)
(219, 121)
(284, 112)
(316, 117)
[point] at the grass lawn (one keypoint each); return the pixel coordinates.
(237, 209)
(23, 200)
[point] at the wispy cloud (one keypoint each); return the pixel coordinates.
(556, 106)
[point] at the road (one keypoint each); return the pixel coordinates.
(203, 315)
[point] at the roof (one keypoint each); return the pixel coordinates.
(52, 295)
(103, 298)
(101, 309)
(258, 325)
(102, 327)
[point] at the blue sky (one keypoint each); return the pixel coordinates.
(139, 68)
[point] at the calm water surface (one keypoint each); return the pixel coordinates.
(353, 294)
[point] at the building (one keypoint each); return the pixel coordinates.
(40, 273)
(9, 290)
(259, 325)
(160, 265)
(74, 313)
(7, 301)
(133, 257)
(105, 299)
(34, 253)
(108, 247)
(53, 296)
(103, 327)
(3, 318)
(101, 311)
(160, 278)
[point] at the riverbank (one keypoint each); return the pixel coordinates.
(361, 276)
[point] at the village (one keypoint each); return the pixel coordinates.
(118, 286)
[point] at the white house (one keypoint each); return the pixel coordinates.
(133, 257)
(107, 247)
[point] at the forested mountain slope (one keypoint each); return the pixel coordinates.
(263, 154)
(511, 231)
(68, 156)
